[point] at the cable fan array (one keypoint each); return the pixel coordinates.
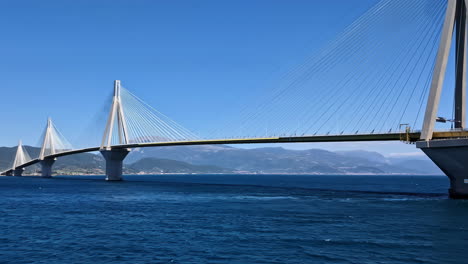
(53, 141)
(22, 156)
(141, 123)
(370, 79)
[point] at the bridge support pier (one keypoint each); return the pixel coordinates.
(451, 156)
(114, 163)
(15, 172)
(46, 167)
(18, 172)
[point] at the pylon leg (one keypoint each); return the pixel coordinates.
(439, 71)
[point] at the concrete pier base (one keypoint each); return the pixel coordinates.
(114, 163)
(18, 172)
(9, 173)
(451, 156)
(46, 167)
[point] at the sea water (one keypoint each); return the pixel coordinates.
(232, 219)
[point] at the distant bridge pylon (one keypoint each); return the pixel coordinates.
(53, 142)
(21, 157)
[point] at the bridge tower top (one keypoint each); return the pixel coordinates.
(48, 141)
(53, 141)
(455, 20)
(21, 156)
(116, 119)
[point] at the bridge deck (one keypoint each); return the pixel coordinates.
(407, 137)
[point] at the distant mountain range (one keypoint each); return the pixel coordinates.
(280, 160)
(225, 159)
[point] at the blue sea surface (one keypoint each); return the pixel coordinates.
(231, 219)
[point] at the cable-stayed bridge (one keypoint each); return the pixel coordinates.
(380, 79)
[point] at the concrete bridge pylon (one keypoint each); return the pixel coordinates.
(116, 120)
(450, 155)
(21, 157)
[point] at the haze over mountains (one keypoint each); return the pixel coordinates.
(280, 160)
(226, 159)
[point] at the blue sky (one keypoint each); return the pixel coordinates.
(196, 61)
